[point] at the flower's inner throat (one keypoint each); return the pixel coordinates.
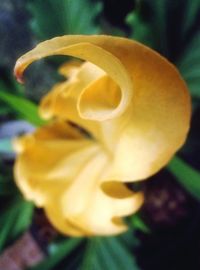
(89, 93)
(85, 133)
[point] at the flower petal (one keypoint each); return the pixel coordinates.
(155, 126)
(62, 101)
(63, 172)
(93, 208)
(42, 158)
(94, 49)
(136, 106)
(147, 125)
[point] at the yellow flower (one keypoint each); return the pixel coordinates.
(119, 118)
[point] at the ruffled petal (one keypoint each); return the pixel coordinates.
(95, 209)
(63, 172)
(42, 159)
(62, 101)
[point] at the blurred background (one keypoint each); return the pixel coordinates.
(165, 233)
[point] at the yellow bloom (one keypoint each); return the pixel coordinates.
(136, 109)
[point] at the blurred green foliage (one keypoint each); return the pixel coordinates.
(170, 27)
(23, 107)
(64, 17)
(186, 175)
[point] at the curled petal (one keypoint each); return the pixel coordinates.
(90, 49)
(62, 101)
(69, 69)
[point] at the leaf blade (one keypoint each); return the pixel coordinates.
(188, 177)
(22, 106)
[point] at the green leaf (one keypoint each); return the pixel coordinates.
(25, 217)
(14, 220)
(6, 146)
(188, 177)
(166, 26)
(148, 18)
(4, 110)
(23, 107)
(6, 187)
(194, 86)
(64, 17)
(190, 55)
(139, 224)
(60, 251)
(108, 253)
(189, 66)
(191, 11)
(140, 29)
